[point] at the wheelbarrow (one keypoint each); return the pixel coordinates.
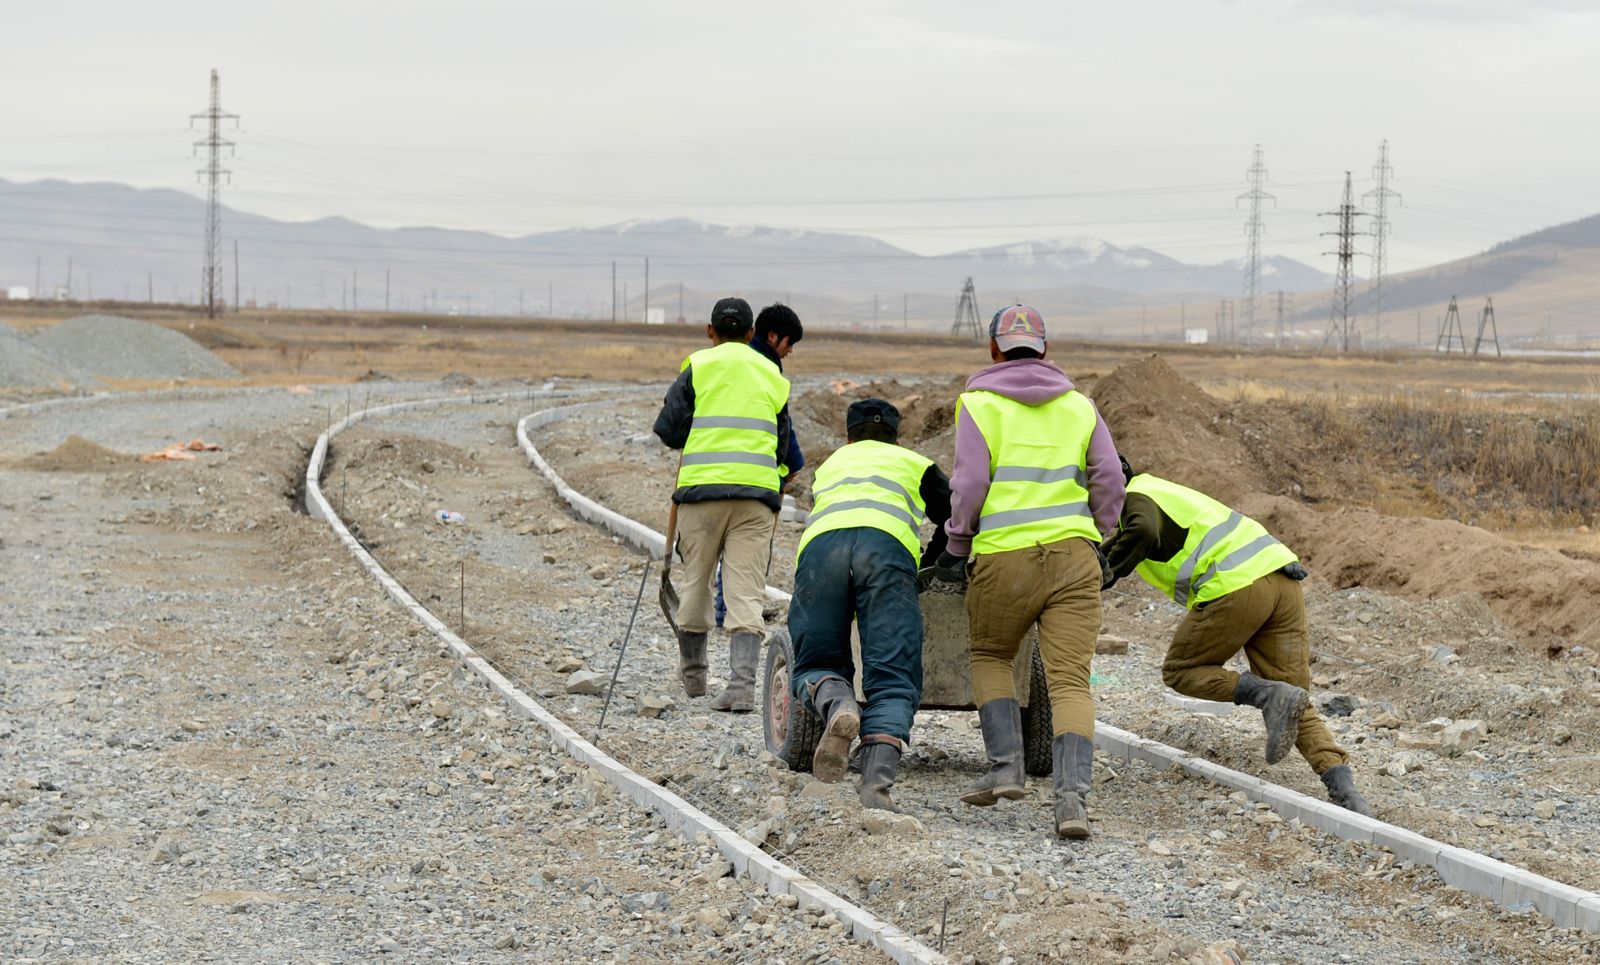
(792, 730)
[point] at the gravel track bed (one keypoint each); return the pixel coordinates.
(1176, 867)
(219, 741)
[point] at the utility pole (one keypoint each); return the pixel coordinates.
(613, 291)
(38, 273)
(551, 294)
(874, 312)
(647, 288)
(1486, 320)
(1339, 319)
(1277, 341)
(1257, 176)
(236, 276)
(213, 172)
(355, 290)
(1381, 172)
(905, 311)
(1450, 331)
(150, 280)
(69, 277)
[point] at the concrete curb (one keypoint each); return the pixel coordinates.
(1505, 884)
(680, 815)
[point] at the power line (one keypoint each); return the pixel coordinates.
(213, 172)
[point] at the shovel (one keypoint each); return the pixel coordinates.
(669, 594)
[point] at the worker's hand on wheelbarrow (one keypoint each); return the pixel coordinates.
(950, 568)
(1108, 579)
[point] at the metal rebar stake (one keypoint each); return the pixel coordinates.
(944, 919)
(621, 651)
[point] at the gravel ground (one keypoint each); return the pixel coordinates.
(220, 741)
(123, 348)
(1176, 867)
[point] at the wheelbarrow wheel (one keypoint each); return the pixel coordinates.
(1037, 729)
(791, 730)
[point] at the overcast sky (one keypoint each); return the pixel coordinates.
(933, 125)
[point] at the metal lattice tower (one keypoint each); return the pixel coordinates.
(1486, 321)
(1339, 319)
(1281, 297)
(213, 173)
(966, 322)
(1252, 262)
(1381, 173)
(1450, 332)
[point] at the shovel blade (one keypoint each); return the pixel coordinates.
(669, 600)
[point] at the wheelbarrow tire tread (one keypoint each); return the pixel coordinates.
(799, 743)
(1038, 732)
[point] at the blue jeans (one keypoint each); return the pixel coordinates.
(865, 574)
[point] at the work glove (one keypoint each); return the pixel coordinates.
(950, 568)
(1295, 571)
(1108, 579)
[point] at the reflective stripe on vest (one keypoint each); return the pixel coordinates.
(876, 485)
(1038, 480)
(733, 437)
(1225, 550)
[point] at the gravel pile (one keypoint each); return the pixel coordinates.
(122, 348)
(27, 365)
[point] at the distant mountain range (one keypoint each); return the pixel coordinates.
(124, 242)
(127, 243)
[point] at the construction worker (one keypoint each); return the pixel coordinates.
(728, 412)
(858, 560)
(1242, 590)
(778, 330)
(1036, 484)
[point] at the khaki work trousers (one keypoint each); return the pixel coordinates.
(1267, 619)
(1056, 585)
(739, 533)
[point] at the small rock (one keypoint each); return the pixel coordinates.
(1560, 734)
(1445, 655)
(1346, 639)
(654, 705)
(549, 557)
(508, 940)
(1160, 847)
(432, 790)
(599, 571)
(816, 791)
(1545, 809)
(1108, 644)
(1387, 721)
(1340, 705)
(565, 663)
(1486, 821)
(645, 901)
(585, 682)
(1462, 735)
(193, 726)
(439, 709)
(874, 821)
(1402, 764)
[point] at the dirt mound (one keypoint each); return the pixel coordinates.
(1167, 425)
(1539, 592)
(77, 454)
(22, 363)
(121, 348)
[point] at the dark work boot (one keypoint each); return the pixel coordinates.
(1001, 721)
(692, 661)
(835, 702)
(1342, 790)
(1073, 772)
(880, 755)
(1281, 705)
(743, 652)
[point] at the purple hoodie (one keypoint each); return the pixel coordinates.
(1031, 382)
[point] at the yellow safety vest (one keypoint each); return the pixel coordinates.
(1225, 550)
(1038, 473)
(871, 484)
(733, 440)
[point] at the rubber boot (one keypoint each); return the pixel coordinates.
(1072, 757)
(692, 661)
(1342, 791)
(835, 702)
(1281, 705)
(739, 697)
(880, 755)
(1001, 721)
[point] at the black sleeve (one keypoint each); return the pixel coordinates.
(785, 433)
(1137, 533)
(677, 412)
(935, 492)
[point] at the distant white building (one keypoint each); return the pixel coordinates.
(655, 316)
(18, 293)
(1196, 336)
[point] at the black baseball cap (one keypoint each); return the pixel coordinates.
(732, 316)
(872, 410)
